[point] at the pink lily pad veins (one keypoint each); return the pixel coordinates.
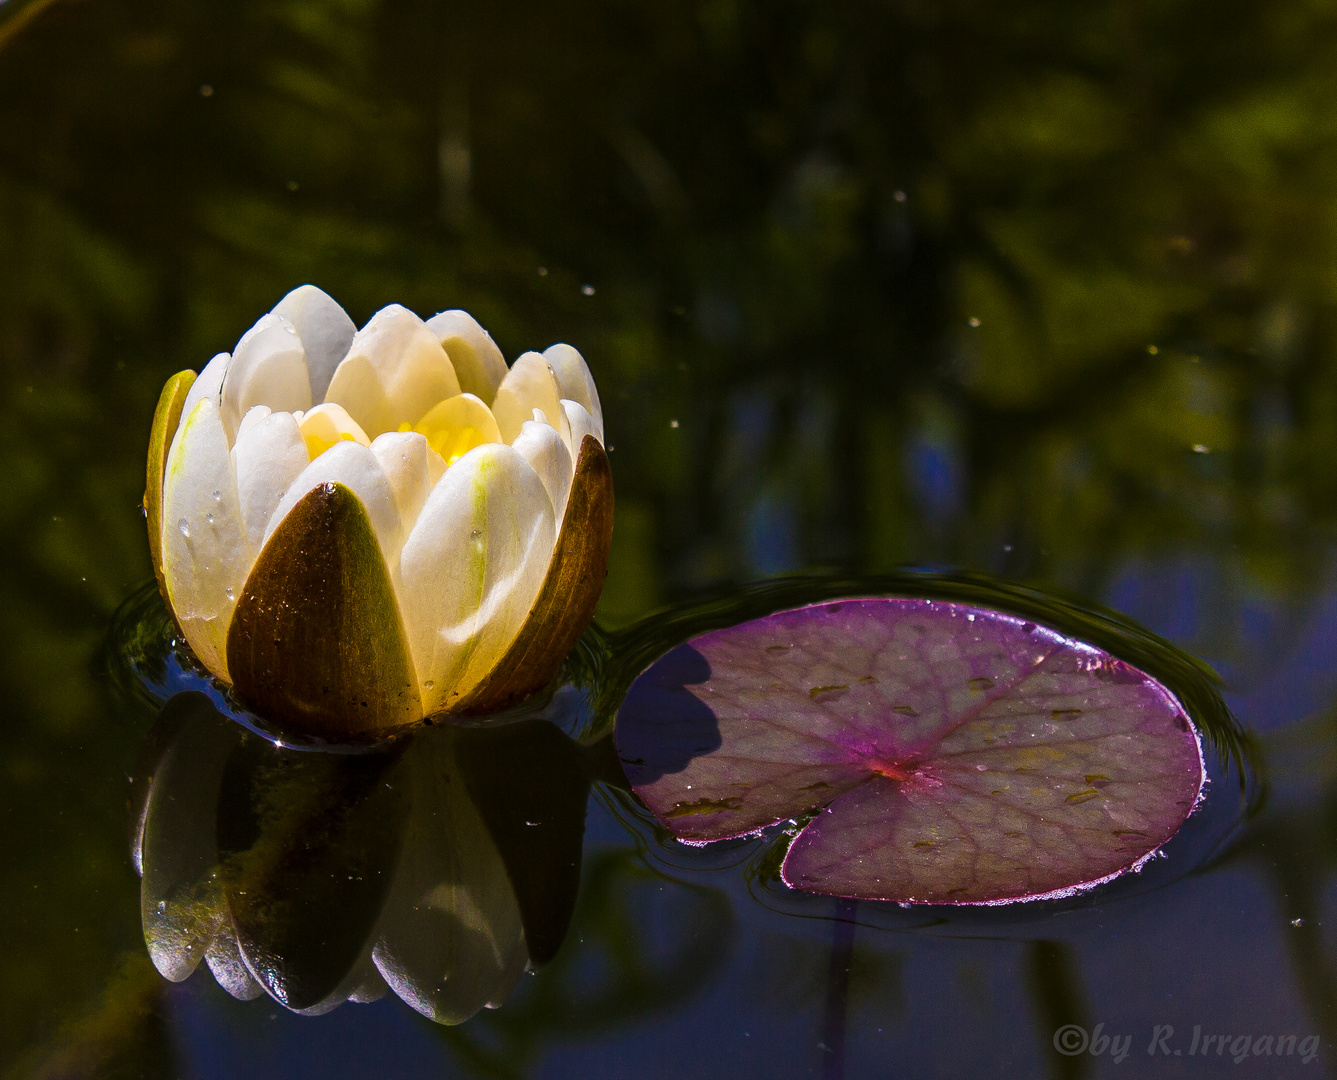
(951, 754)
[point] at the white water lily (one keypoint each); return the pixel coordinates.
(360, 528)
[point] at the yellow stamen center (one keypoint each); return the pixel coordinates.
(456, 425)
(328, 425)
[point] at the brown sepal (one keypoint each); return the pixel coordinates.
(317, 643)
(566, 603)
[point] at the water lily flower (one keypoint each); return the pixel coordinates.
(358, 529)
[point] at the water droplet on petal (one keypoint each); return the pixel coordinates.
(209, 518)
(218, 496)
(184, 526)
(228, 592)
(429, 684)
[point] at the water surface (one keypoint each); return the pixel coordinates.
(1040, 292)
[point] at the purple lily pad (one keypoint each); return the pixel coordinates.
(952, 755)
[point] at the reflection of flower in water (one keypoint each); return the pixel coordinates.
(441, 866)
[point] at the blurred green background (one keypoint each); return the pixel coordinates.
(1042, 289)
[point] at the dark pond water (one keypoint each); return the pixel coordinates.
(1044, 293)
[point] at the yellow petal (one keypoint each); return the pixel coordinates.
(455, 426)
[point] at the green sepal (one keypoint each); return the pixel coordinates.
(166, 419)
(317, 643)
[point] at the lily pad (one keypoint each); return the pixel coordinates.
(943, 753)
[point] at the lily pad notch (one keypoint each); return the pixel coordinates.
(939, 753)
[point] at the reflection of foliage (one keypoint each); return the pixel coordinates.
(790, 213)
(636, 956)
(792, 217)
(1055, 985)
(1292, 842)
(791, 974)
(119, 1036)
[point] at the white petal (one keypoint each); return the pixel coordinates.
(268, 457)
(477, 360)
(208, 384)
(268, 368)
(205, 554)
(411, 368)
(582, 424)
(576, 382)
(472, 568)
(225, 962)
(181, 899)
(354, 466)
(358, 389)
(325, 329)
(541, 446)
(529, 385)
(252, 417)
(436, 466)
(406, 459)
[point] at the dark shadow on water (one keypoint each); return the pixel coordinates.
(663, 725)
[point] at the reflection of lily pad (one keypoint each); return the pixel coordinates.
(956, 755)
